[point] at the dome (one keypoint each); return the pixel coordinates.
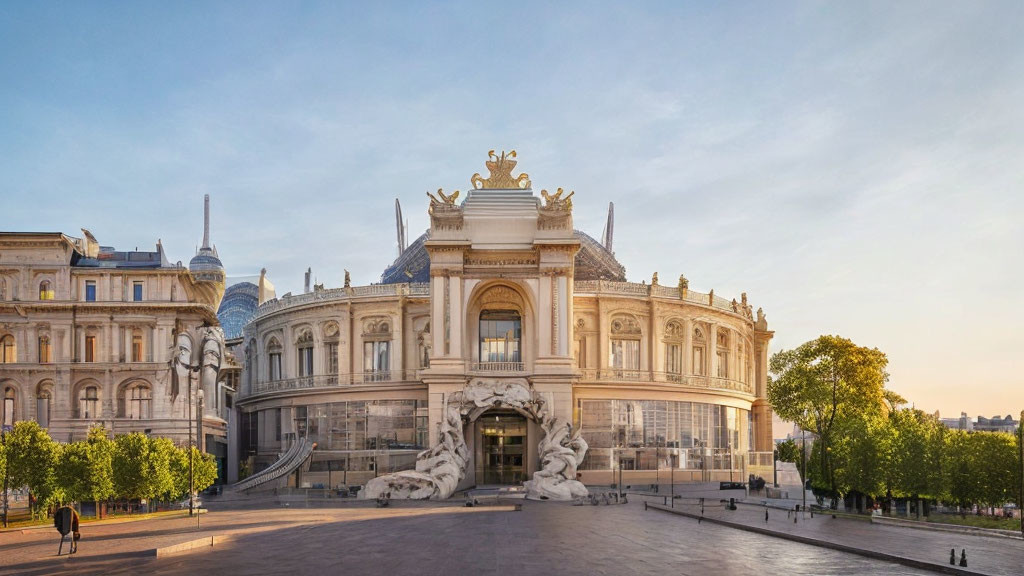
(237, 308)
(593, 262)
(205, 260)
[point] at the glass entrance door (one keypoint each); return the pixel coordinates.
(502, 449)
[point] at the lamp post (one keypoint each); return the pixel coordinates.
(729, 446)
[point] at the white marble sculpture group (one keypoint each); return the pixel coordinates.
(440, 469)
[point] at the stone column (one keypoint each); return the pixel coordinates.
(687, 351)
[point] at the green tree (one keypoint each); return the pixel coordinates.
(957, 469)
(83, 469)
(31, 455)
(141, 466)
(823, 382)
(916, 470)
(204, 471)
(861, 453)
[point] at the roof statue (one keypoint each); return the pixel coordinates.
(501, 178)
(446, 199)
(555, 201)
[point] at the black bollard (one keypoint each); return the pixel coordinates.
(794, 519)
(952, 556)
(765, 515)
(963, 557)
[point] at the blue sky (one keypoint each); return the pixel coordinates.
(856, 168)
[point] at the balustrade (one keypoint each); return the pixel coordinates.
(333, 380)
(685, 380)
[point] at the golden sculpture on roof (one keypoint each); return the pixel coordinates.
(448, 199)
(501, 173)
(555, 201)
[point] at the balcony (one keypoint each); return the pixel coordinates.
(334, 381)
(648, 376)
(497, 367)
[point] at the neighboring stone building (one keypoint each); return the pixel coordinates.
(88, 335)
(981, 424)
(503, 298)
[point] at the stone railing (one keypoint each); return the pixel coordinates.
(497, 367)
(659, 291)
(683, 380)
(333, 294)
(333, 381)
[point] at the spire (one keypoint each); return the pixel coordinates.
(206, 222)
(399, 229)
(309, 271)
(609, 228)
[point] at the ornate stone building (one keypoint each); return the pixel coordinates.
(489, 333)
(89, 333)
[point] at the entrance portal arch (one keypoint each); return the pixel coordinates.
(440, 468)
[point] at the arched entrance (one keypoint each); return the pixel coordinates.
(440, 469)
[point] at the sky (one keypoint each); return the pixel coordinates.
(856, 168)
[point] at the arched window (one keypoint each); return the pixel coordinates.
(45, 350)
(135, 401)
(274, 359)
(45, 290)
(331, 333)
(89, 402)
(10, 401)
(722, 351)
(44, 400)
(8, 350)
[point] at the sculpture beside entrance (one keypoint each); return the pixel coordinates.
(440, 469)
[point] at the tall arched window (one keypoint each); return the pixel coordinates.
(45, 290)
(377, 350)
(723, 354)
(89, 402)
(135, 401)
(10, 401)
(8, 350)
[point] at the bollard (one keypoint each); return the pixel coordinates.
(952, 556)
(645, 504)
(765, 515)
(963, 557)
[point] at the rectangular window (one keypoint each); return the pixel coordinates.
(90, 291)
(577, 353)
(90, 348)
(624, 354)
(500, 334)
(723, 364)
(698, 360)
(137, 348)
(137, 291)
(332, 357)
(306, 361)
(45, 351)
(275, 365)
(8, 411)
(673, 359)
(43, 410)
(377, 359)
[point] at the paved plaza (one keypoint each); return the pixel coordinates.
(447, 538)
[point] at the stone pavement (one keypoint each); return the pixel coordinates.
(436, 538)
(990, 555)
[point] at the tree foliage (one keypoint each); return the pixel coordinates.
(821, 385)
(31, 454)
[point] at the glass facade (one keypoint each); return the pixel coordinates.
(500, 333)
(654, 434)
(365, 425)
